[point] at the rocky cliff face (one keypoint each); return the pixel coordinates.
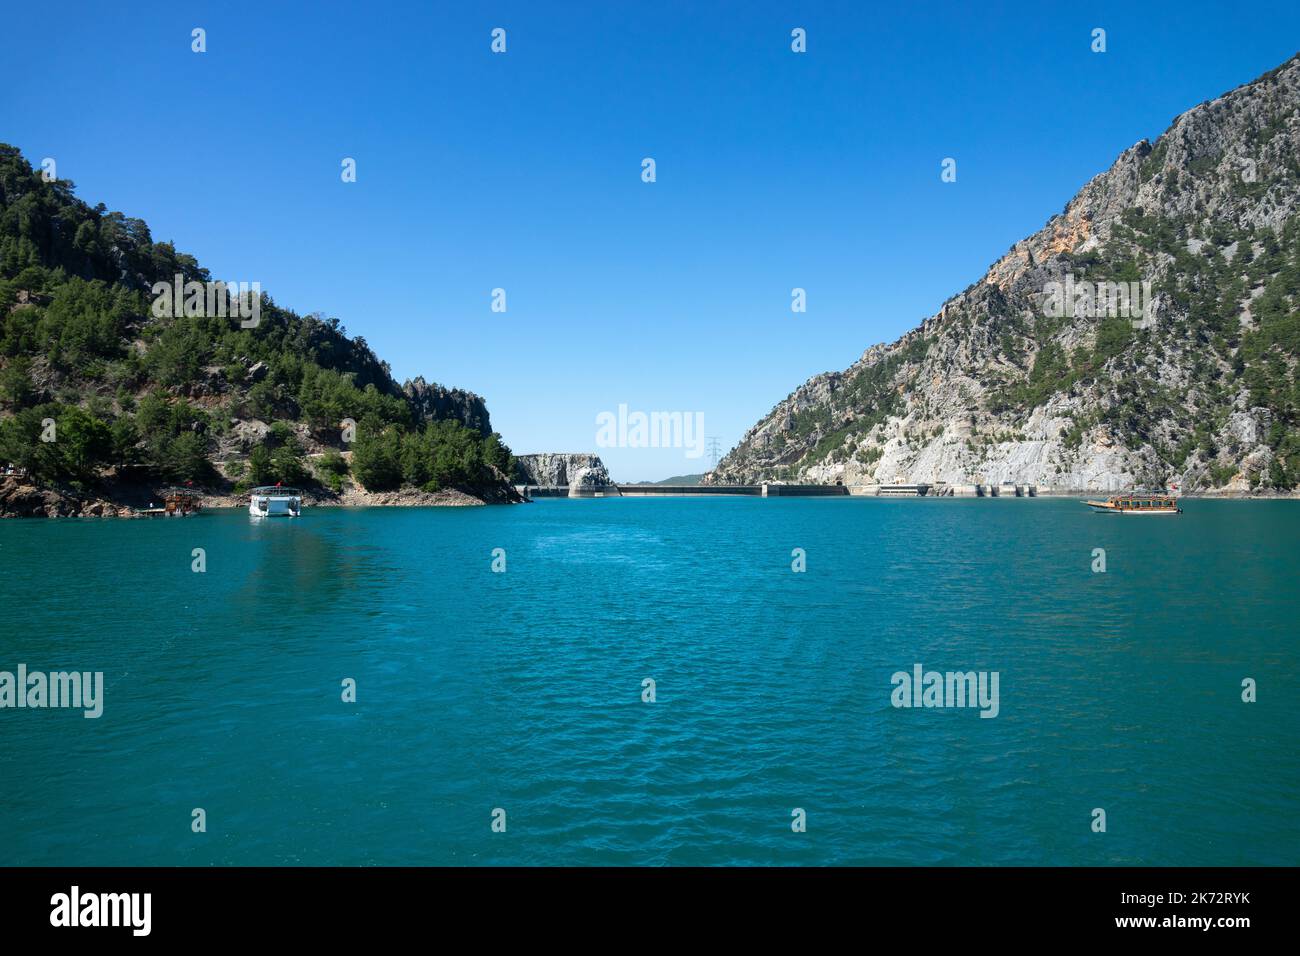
(432, 403)
(1003, 384)
(20, 498)
(550, 470)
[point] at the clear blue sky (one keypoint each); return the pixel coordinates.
(522, 171)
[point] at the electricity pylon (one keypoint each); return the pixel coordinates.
(715, 450)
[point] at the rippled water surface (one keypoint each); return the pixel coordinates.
(522, 690)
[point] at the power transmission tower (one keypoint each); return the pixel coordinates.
(715, 449)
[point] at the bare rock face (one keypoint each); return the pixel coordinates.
(996, 388)
(20, 499)
(432, 403)
(244, 436)
(552, 470)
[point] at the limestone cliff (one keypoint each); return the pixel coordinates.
(552, 470)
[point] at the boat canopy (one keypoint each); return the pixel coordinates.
(276, 490)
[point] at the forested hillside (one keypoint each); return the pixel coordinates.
(135, 397)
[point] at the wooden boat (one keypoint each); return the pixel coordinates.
(1137, 505)
(180, 501)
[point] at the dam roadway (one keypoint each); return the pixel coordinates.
(774, 490)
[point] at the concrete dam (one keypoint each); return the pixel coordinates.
(584, 475)
(775, 490)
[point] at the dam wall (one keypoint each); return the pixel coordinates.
(771, 490)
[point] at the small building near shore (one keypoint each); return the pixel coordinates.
(902, 491)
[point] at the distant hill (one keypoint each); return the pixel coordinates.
(680, 480)
(1026, 376)
(184, 391)
(676, 480)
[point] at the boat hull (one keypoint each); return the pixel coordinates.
(274, 507)
(1102, 508)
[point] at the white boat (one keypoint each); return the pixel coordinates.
(274, 501)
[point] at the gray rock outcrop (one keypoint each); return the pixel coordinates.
(558, 470)
(433, 402)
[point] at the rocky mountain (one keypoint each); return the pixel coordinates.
(557, 470)
(1148, 334)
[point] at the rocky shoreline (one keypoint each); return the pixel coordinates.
(19, 498)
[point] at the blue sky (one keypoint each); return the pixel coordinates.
(523, 171)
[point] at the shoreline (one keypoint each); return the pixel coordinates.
(20, 499)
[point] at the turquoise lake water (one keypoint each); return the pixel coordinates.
(523, 690)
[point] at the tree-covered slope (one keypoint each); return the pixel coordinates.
(1200, 391)
(135, 396)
